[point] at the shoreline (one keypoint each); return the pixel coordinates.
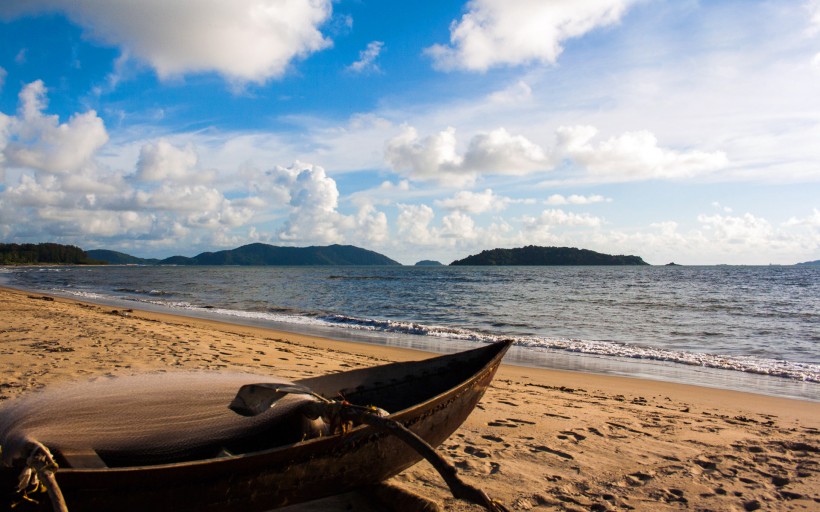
(543, 439)
(652, 367)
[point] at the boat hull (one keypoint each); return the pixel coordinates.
(303, 471)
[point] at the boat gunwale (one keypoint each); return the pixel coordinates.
(308, 446)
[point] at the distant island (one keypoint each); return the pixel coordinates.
(428, 263)
(260, 254)
(533, 255)
(815, 263)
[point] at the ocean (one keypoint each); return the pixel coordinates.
(732, 327)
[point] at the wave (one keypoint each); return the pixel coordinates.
(137, 291)
(806, 372)
(778, 368)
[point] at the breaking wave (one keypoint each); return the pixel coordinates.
(805, 372)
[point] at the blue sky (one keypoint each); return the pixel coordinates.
(679, 130)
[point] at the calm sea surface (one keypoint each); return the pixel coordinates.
(748, 328)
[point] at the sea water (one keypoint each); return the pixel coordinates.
(733, 327)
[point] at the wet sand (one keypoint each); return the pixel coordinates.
(539, 440)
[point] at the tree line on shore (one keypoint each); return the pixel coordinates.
(32, 254)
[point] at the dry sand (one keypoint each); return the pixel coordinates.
(540, 439)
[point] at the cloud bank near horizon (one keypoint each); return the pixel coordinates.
(60, 183)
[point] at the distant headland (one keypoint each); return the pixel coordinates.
(261, 254)
(534, 255)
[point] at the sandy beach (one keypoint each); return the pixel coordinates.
(540, 439)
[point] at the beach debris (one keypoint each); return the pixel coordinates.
(41, 297)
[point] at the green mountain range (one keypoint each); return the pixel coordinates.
(260, 254)
(533, 255)
(119, 258)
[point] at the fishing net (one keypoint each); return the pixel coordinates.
(148, 419)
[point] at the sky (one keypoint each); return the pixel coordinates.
(675, 130)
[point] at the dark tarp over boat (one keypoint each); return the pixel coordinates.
(252, 469)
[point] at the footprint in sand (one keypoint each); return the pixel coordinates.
(639, 478)
(706, 464)
(547, 449)
(566, 434)
(674, 496)
(476, 452)
(510, 423)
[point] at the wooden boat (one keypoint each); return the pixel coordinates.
(431, 398)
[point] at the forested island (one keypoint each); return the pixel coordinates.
(46, 253)
(534, 255)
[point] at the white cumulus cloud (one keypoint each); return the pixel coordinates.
(511, 32)
(746, 229)
(436, 157)
(161, 160)
(500, 152)
(38, 141)
(556, 217)
(458, 226)
(474, 202)
(633, 156)
(431, 158)
(313, 198)
(413, 224)
(371, 226)
(243, 40)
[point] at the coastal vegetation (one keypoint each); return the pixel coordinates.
(46, 253)
(534, 255)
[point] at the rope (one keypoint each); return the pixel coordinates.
(458, 487)
(40, 468)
